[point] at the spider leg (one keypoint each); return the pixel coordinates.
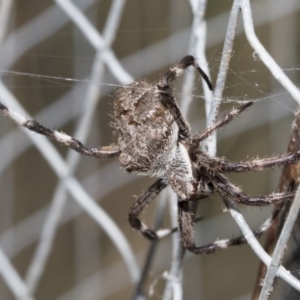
(221, 165)
(60, 137)
(198, 137)
(228, 190)
(140, 205)
(168, 100)
(185, 225)
(177, 70)
(185, 222)
(187, 238)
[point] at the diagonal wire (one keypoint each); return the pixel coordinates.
(25, 232)
(224, 65)
(13, 279)
(92, 96)
(255, 245)
(266, 58)
(43, 25)
(248, 234)
(7, 270)
(274, 264)
(280, 247)
(95, 39)
(280, 76)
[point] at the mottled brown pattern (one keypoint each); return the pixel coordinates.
(147, 131)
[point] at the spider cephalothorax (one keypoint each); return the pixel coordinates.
(154, 139)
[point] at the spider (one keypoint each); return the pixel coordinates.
(154, 139)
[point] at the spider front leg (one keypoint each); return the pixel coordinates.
(167, 98)
(177, 70)
(202, 135)
(62, 138)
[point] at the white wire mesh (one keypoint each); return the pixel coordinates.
(29, 240)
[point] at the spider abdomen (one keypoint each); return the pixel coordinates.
(147, 131)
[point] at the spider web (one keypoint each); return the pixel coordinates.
(51, 243)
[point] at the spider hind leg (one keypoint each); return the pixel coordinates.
(185, 222)
(228, 190)
(185, 226)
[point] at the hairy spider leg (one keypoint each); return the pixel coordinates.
(186, 228)
(240, 240)
(216, 164)
(177, 70)
(167, 98)
(202, 135)
(60, 137)
(140, 204)
(185, 222)
(227, 190)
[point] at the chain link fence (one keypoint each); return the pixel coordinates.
(64, 230)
